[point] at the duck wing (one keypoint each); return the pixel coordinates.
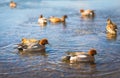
(75, 53)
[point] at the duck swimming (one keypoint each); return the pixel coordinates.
(33, 46)
(74, 57)
(111, 27)
(42, 21)
(57, 20)
(87, 12)
(12, 4)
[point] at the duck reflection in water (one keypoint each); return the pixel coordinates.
(110, 36)
(23, 53)
(84, 66)
(86, 18)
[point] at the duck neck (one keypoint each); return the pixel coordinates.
(110, 22)
(63, 19)
(114, 31)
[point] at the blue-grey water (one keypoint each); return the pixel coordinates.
(78, 34)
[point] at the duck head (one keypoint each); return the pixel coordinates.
(92, 13)
(41, 16)
(81, 11)
(11, 2)
(65, 16)
(109, 21)
(43, 41)
(92, 52)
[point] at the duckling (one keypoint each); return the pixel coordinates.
(87, 12)
(42, 21)
(57, 20)
(34, 47)
(12, 4)
(111, 27)
(74, 57)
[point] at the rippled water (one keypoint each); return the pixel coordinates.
(78, 34)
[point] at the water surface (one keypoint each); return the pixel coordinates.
(78, 34)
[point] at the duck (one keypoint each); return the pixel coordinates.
(111, 27)
(37, 46)
(54, 19)
(74, 57)
(42, 20)
(12, 4)
(87, 12)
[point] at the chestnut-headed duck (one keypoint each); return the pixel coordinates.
(42, 20)
(12, 4)
(57, 20)
(111, 27)
(33, 46)
(74, 57)
(87, 12)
